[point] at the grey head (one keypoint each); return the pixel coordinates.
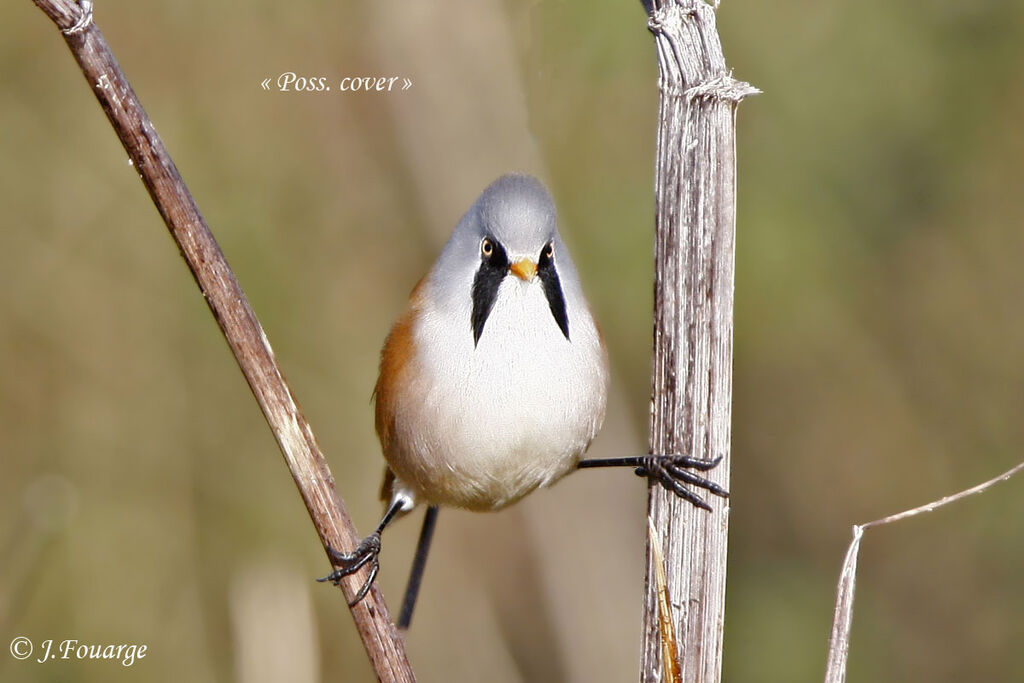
(517, 211)
(512, 220)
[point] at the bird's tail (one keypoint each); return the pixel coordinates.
(419, 561)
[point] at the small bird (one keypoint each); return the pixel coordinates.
(494, 380)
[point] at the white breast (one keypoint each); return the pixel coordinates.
(482, 426)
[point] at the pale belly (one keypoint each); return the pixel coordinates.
(482, 426)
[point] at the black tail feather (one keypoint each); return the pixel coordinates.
(419, 561)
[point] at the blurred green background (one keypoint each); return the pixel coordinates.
(879, 333)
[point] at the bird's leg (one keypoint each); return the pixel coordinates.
(367, 552)
(673, 472)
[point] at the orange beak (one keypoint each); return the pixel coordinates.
(524, 269)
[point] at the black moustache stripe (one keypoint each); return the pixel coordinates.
(492, 271)
(489, 276)
(553, 291)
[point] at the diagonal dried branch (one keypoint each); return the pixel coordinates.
(237, 321)
(695, 188)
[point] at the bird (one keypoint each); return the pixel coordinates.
(494, 380)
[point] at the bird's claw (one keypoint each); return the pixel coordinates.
(674, 472)
(367, 552)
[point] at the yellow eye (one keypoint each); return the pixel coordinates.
(487, 247)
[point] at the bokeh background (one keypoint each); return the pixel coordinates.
(879, 333)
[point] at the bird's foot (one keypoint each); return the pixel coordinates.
(367, 552)
(674, 472)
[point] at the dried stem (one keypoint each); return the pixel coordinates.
(236, 319)
(842, 620)
(695, 188)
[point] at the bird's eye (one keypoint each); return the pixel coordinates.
(487, 247)
(549, 250)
